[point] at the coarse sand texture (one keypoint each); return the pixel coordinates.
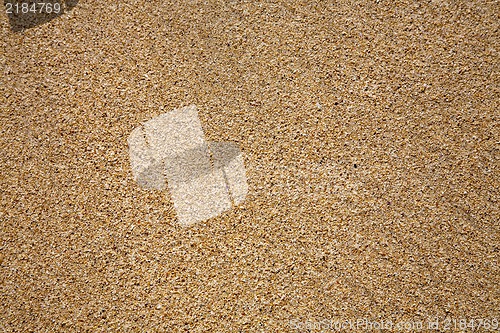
(250, 166)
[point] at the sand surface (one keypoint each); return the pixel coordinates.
(371, 141)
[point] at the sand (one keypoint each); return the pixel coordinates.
(371, 141)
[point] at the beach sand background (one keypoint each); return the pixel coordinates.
(371, 140)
